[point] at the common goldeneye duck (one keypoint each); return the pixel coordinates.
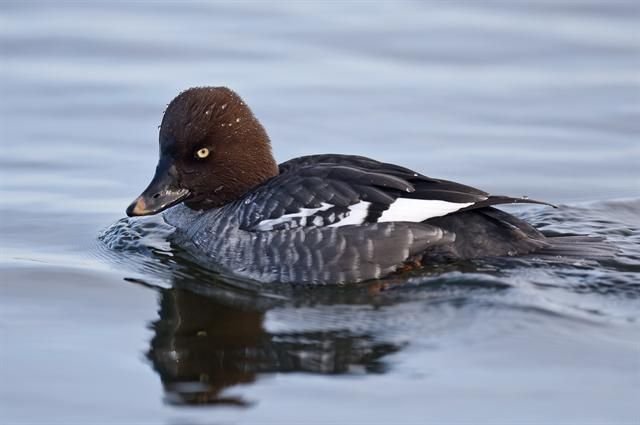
(314, 219)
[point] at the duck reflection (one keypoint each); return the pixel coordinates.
(211, 333)
(215, 332)
(202, 346)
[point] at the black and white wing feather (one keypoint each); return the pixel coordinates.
(342, 190)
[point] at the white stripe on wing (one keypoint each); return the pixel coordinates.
(269, 224)
(417, 210)
(356, 215)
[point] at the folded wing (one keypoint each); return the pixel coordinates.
(343, 190)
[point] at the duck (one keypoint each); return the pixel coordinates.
(317, 219)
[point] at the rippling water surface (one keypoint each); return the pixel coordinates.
(102, 320)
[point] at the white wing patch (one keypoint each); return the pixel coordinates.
(265, 225)
(403, 209)
(417, 210)
(357, 213)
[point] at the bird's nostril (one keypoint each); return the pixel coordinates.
(156, 196)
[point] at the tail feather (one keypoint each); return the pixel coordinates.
(499, 200)
(587, 247)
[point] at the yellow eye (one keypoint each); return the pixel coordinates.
(202, 153)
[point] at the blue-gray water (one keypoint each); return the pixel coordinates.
(113, 326)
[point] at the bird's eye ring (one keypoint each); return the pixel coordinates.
(202, 153)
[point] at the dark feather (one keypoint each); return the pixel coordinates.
(342, 180)
(500, 200)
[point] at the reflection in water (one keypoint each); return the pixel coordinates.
(202, 347)
(211, 335)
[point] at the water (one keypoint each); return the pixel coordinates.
(104, 324)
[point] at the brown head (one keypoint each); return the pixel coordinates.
(212, 151)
